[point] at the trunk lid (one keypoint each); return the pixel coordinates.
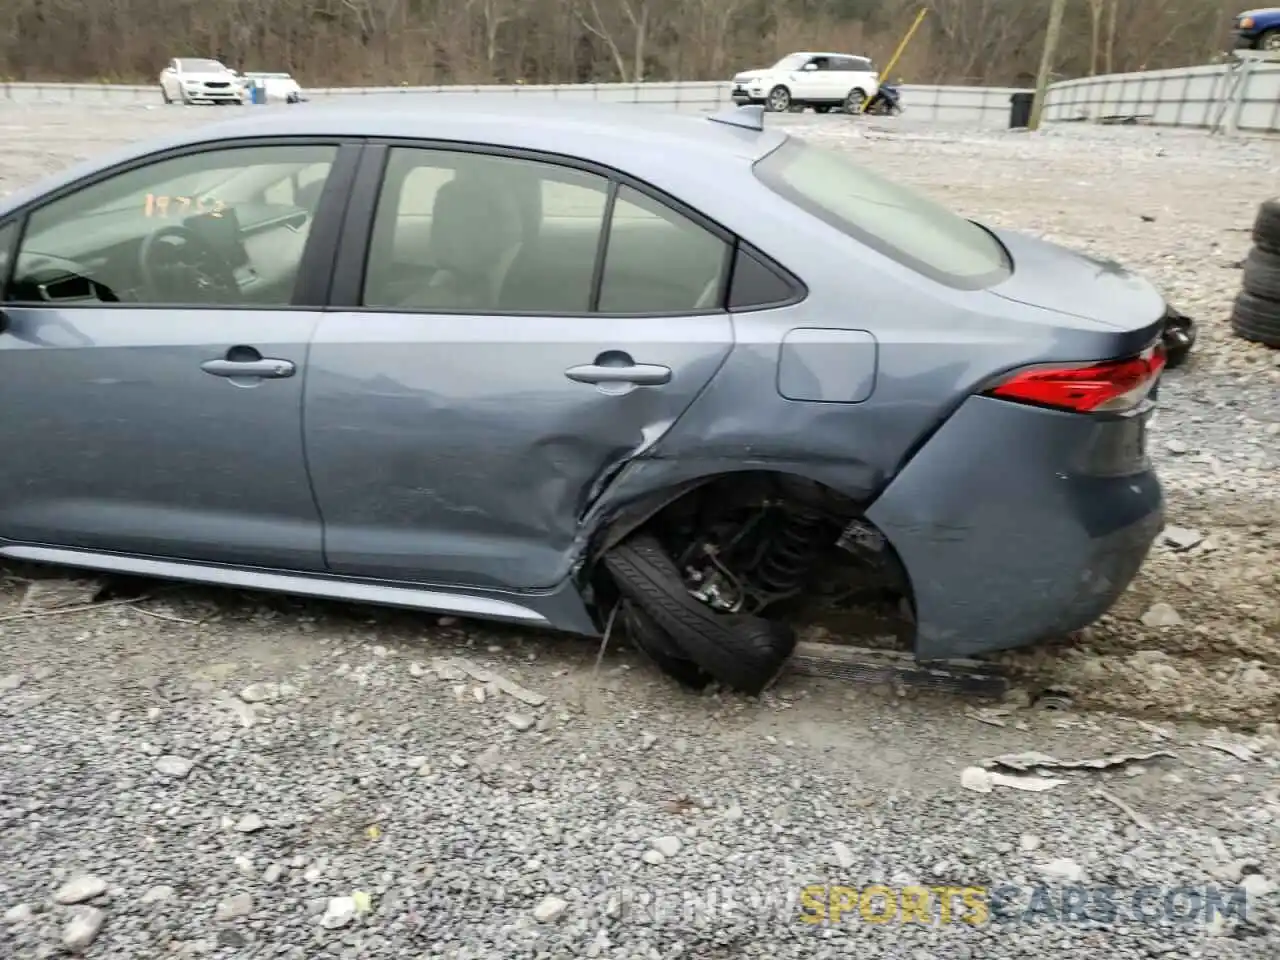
(1054, 278)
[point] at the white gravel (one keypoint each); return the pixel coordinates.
(235, 776)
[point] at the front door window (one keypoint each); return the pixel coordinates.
(204, 229)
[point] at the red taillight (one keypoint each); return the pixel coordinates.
(1111, 386)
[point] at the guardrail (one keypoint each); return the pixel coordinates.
(1183, 97)
(986, 106)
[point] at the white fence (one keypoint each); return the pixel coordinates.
(986, 106)
(1185, 97)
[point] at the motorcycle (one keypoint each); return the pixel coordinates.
(887, 102)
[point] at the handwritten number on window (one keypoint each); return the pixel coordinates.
(162, 205)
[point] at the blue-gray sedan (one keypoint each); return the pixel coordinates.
(564, 365)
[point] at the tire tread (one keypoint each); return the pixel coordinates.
(1256, 319)
(743, 652)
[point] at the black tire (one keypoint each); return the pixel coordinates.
(1256, 319)
(1266, 227)
(647, 637)
(779, 100)
(822, 108)
(742, 652)
(853, 102)
(1268, 40)
(1262, 274)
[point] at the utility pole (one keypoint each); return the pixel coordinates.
(1056, 10)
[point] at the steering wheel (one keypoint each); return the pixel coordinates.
(177, 265)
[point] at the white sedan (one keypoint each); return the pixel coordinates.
(278, 86)
(196, 80)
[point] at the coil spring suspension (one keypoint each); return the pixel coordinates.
(791, 553)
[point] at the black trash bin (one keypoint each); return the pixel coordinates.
(1020, 109)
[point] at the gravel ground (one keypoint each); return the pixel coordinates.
(214, 774)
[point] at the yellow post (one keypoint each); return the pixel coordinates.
(897, 53)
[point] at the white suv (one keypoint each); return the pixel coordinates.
(824, 81)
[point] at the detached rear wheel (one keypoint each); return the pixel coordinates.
(741, 651)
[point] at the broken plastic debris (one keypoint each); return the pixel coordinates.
(1031, 760)
(1134, 815)
(984, 781)
(994, 716)
(1237, 750)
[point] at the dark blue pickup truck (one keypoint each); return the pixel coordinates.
(1258, 30)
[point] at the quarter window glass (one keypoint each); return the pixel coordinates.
(884, 215)
(219, 228)
(659, 261)
(466, 232)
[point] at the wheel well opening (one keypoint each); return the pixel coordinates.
(779, 546)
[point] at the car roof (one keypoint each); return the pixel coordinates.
(674, 151)
(509, 120)
(634, 137)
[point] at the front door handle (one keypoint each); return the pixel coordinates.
(265, 367)
(640, 374)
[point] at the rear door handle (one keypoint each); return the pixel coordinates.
(641, 374)
(266, 367)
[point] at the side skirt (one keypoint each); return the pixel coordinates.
(559, 609)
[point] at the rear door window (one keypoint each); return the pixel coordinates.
(854, 64)
(888, 217)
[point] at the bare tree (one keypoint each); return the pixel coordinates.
(1095, 33)
(330, 42)
(612, 24)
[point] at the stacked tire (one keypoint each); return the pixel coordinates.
(1256, 313)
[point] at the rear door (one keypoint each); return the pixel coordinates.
(844, 77)
(511, 333)
(154, 350)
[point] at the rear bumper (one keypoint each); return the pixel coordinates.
(1017, 524)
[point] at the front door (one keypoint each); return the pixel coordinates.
(493, 373)
(809, 80)
(152, 364)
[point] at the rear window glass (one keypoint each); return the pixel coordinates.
(886, 216)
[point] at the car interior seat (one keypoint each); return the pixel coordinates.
(476, 233)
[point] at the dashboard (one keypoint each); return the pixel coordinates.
(97, 257)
